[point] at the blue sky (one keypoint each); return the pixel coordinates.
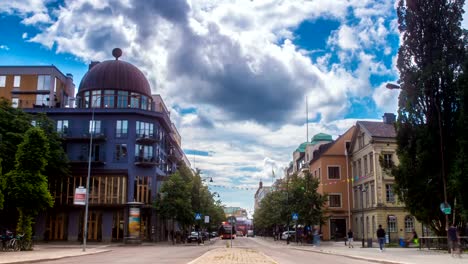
(235, 74)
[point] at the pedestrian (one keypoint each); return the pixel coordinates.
(350, 239)
(454, 240)
(381, 237)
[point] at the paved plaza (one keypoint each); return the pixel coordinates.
(217, 253)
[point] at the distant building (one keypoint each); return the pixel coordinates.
(235, 211)
(36, 86)
(261, 192)
(372, 155)
(303, 154)
(135, 146)
(329, 165)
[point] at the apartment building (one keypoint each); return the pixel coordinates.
(372, 155)
(329, 164)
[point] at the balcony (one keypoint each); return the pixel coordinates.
(172, 156)
(96, 160)
(144, 161)
(83, 135)
(143, 138)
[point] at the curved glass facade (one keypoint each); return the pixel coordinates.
(113, 99)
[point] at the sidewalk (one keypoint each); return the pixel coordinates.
(389, 255)
(44, 252)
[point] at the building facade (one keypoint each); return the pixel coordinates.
(372, 155)
(329, 164)
(125, 134)
(36, 86)
(261, 192)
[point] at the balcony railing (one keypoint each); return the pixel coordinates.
(83, 135)
(147, 138)
(145, 161)
(95, 159)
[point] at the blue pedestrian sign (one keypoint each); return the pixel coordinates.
(295, 216)
(197, 216)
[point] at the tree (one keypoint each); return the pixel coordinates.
(26, 183)
(2, 186)
(429, 61)
(174, 201)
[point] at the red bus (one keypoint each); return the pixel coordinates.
(226, 231)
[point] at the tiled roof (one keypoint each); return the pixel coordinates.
(379, 129)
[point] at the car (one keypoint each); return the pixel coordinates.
(240, 233)
(213, 234)
(285, 235)
(250, 233)
(193, 237)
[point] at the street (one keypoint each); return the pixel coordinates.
(278, 251)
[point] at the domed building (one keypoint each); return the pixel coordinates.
(121, 136)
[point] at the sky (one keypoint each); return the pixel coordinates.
(235, 74)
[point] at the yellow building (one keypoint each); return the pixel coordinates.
(36, 86)
(372, 155)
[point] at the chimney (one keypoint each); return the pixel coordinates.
(389, 118)
(92, 64)
(69, 75)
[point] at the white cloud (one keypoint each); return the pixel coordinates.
(236, 63)
(4, 47)
(24, 35)
(386, 99)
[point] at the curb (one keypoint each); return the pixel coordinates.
(350, 256)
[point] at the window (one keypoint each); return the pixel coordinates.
(96, 98)
(109, 98)
(373, 225)
(392, 223)
(387, 161)
(361, 140)
(134, 100)
(144, 103)
(95, 127)
(17, 81)
(43, 82)
(367, 194)
(2, 80)
(365, 165)
(354, 169)
(356, 199)
(389, 193)
(62, 126)
(367, 226)
(409, 224)
(121, 129)
(142, 189)
(144, 153)
(14, 102)
(372, 193)
(359, 168)
(371, 162)
(144, 129)
(121, 152)
(333, 172)
(42, 99)
(122, 99)
(86, 99)
(334, 200)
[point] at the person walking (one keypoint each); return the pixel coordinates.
(454, 240)
(350, 239)
(381, 237)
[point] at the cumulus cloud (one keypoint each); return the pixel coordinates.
(4, 47)
(236, 63)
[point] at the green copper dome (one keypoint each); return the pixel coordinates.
(320, 137)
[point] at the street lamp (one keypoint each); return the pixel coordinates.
(92, 130)
(441, 142)
(363, 190)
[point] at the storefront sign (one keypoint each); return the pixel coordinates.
(80, 196)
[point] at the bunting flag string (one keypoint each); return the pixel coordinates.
(332, 182)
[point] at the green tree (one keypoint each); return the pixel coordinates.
(26, 183)
(174, 201)
(2, 186)
(429, 60)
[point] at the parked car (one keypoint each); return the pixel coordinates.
(286, 234)
(250, 233)
(193, 237)
(214, 234)
(205, 235)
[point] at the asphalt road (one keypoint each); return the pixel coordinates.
(185, 253)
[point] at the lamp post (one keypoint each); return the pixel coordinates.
(92, 130)
(363, 190)
(392, 86)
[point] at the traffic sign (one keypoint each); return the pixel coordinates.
(445, 208)
(207, 219)
(295, 216)
(80, 196)
(197, 216)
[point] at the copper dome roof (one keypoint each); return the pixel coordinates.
(115, 75)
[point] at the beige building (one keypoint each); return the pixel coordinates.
(330, 166)
(261, 192)
(372, 155)
(36, 86)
